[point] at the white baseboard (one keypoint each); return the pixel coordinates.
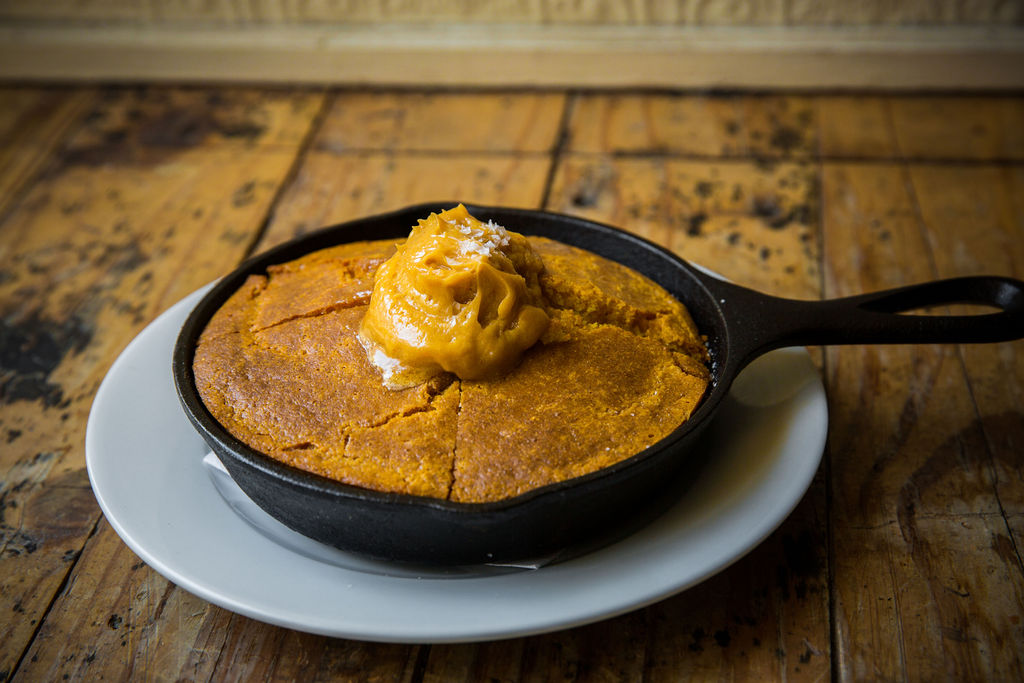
(508, 56)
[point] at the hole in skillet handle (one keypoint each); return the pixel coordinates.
(577, 513)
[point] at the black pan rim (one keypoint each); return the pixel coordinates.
(224, 443)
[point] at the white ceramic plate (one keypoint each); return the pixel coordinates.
(145, 463)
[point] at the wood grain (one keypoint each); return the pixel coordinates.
(791, 127)
(767, 126)
(903, 560)
(856, 126)
(974, 227)
(128, 122)
(120, 620)
(453, 122)
(33, 122)
(959, 127)
(912, 487)
(755, 223)
(121, 226)
(331, 188)
(705, 126)
(382, 151)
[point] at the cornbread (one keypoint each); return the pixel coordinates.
(618, 366)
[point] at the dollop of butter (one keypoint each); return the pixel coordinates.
(460, 296)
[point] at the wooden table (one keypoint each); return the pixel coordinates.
(902, 562)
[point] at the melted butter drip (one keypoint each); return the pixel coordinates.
(458, 296)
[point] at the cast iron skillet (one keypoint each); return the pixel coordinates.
(740, 325)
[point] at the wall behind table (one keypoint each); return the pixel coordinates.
(941, 44)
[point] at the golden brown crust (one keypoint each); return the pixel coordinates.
(280, 366)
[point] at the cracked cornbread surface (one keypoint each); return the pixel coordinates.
(620, 366)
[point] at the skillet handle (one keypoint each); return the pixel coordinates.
(875, 318)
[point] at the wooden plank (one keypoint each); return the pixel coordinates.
(755, 223)
(959, 127)
(916, 518)
(331, 188)
(627, 123)
(448, 122)
(120, 227)
(921, 127)
(856, 127)
(765, 126)
(975, 225)
(33, 121)
(510, 55)
(132, 120)
(780, 127)
(495, 661)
